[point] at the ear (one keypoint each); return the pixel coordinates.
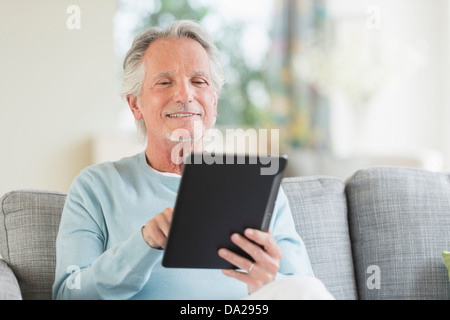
(133, 103)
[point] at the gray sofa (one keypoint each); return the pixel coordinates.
(378, 235)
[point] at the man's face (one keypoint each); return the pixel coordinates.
(177, 90)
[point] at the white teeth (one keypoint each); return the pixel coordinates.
(180, 115)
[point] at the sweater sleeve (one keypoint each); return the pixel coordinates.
(84, 269)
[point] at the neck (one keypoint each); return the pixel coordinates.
(167, 156)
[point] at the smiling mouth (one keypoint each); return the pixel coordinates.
(182, 115)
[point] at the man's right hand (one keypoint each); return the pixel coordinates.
(156, 230)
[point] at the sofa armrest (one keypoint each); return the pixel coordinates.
(9, 288)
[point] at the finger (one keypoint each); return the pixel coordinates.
(235, 259)
(236, 274)
(163, 220)
(266, 240)
(265, 262)
(167, 214)
(241, 276)
(249, 247)
(156, 230)
(153, 235)
(162, 224)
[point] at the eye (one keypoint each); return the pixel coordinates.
(163, 83)
(200, 82)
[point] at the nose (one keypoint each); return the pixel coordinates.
(183, 92)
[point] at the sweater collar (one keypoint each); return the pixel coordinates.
(163, 176)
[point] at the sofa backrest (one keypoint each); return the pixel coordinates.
(29, 222)
(319, 209)
(399, 225)
(392, 235)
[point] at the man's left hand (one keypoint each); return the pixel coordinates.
(266, 258)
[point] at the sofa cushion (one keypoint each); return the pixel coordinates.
(319, 209)
(399, 224)
(29, 222)
(9, 288)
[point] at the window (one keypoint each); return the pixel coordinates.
(240, 30)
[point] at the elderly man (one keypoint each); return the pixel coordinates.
(117, 215)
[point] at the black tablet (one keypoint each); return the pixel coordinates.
(220, 194)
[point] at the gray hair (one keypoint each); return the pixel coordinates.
(134, 67)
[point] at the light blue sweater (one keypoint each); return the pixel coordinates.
(101, 253)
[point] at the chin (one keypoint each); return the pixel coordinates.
(186, 134)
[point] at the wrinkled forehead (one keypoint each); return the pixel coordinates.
(171, 56)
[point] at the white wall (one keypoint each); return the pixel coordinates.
(445, 120)
(58, 88)
(412, 113)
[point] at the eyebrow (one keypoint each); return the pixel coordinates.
(200, 73)
(162, 75)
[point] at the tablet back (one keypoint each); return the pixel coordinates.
(216, 199)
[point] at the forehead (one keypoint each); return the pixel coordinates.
(170, 55)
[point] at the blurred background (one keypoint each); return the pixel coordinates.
(348, 83)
